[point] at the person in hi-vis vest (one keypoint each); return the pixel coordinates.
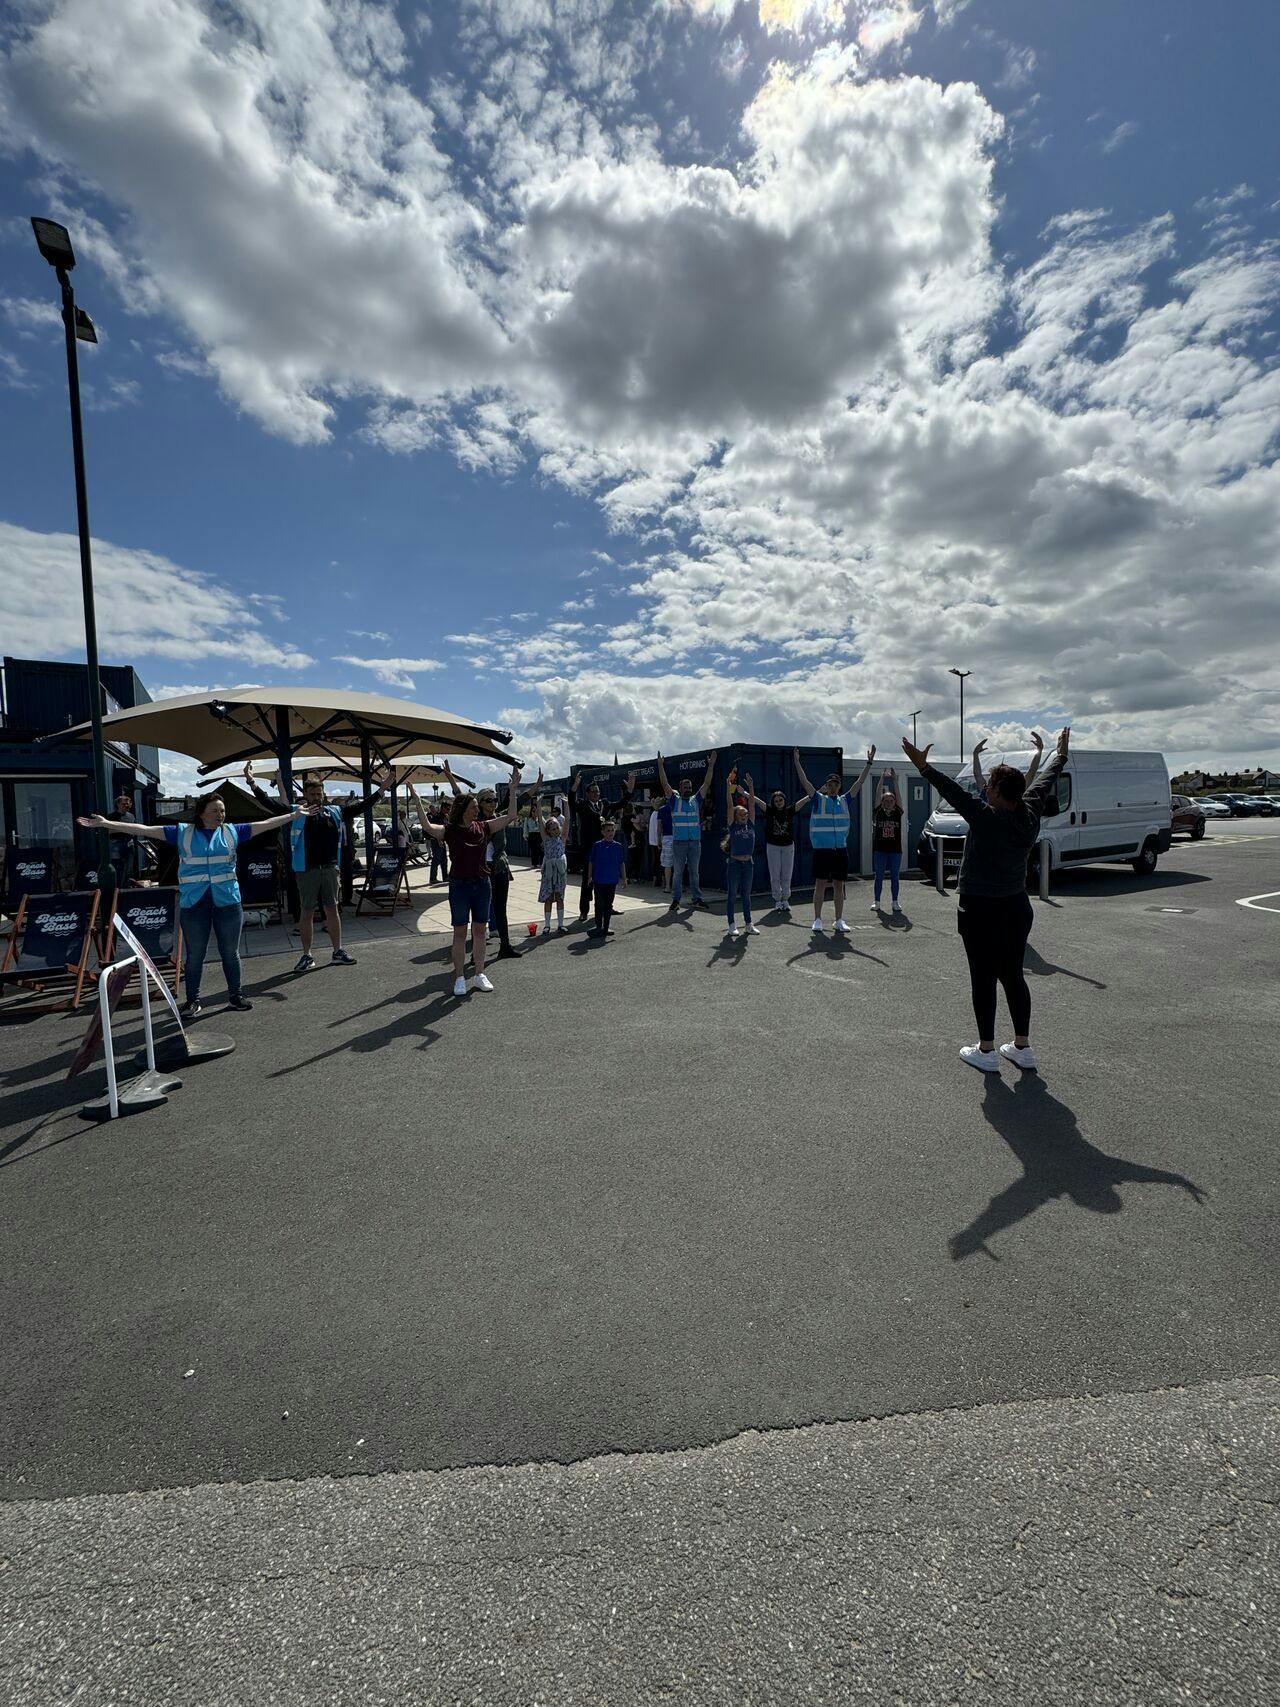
(208, 887)
(686, 830)
(830, 817)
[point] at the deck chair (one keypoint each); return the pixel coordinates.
(386, 883)
(48, 950)
(153, 917)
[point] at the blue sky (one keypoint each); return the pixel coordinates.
(663, 375)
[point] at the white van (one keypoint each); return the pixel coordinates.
(1105, 809)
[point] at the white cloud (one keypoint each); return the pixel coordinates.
(147, 606)
(1119, 136)
(395, 672)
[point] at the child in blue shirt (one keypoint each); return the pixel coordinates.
(606, 868)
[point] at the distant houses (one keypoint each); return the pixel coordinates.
(1204, 782)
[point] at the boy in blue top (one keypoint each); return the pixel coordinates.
(606, 868)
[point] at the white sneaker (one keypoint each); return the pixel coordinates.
(753, 930)
(816, 927)
(482, 982)
(546, 929)
(985, 1060)
(875, 906)
(842, 927)
(897, 909)
(1024, 1058)
(732, 931)
(459, 986)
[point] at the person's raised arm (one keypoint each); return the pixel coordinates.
(964, 803)
(1036, 795)
(450, 778)
(977, 766)
(663, 784)
(1036, 758)
(280, 818)
(513, 795)
(705, 790)
(144, 832)
(808, 787)
(865, 773)
(754, 803)
(270, 801)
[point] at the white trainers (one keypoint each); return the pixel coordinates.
(732, 931)
(842, 927)
(816, 927)
(482, 982)
(875, 906)
(1024, 1058)
(897, 909)
(753, 930)
(459, 986)
(985, 1060)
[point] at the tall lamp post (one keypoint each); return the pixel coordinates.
(962, 674)
(54, 243)
(913, 715)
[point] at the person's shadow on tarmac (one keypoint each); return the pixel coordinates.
(1057, 1161)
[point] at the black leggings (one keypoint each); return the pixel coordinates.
(500, 879)
(995, 932)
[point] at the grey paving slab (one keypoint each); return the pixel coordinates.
(1119, 1551)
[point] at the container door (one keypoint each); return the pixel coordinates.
(917, 816)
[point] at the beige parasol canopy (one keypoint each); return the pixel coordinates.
(417, 769)
(221, 731)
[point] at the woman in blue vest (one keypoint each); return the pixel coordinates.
(830, 815)
(686, 830)
(208, 890)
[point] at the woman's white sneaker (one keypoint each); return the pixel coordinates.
(1024, 1058)
(816, 927)
(482, 982)
(459, 986)
(985, 1060)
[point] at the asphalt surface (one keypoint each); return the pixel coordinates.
(1117, 1551)
(654, 1193)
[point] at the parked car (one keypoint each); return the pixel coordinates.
(1212, 807)
(1266, 806)
(1186, 816)
(1241, 806)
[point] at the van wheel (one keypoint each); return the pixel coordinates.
(1197, 830)
(1145, 863)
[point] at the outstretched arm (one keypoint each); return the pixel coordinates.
(965, 803)
(1036, 795)
(754, 803)
(1036, 758)
(665, 786)
(804, 781)
(450, 778)
(865, 773)
(977, 766)
(513, 795)
(280, 818)
(705, 790)
(144, 832)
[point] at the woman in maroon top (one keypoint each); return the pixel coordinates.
(466, 835)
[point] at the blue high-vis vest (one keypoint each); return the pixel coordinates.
(686, 818)
(828, 820)
(298, 836)
(211, 866)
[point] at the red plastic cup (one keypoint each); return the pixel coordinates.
(533, 927)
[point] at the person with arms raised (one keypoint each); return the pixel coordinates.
(830, 819)
(686, 830)
(467, 836)
(208, 887)
(993, 912)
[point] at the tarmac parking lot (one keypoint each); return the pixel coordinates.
(652, 1196)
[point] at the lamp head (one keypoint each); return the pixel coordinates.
(54, 243)
(85, 329)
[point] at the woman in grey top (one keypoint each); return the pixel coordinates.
(994, 914)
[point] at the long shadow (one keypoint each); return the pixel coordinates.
(1108, 880)
(833, 948)
(412, 1024)
(896, 922)
(666, 920)
(1057, 1161)
(1035, 962)
(729, 951)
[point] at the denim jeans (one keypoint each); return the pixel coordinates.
(892, 864)
(738, 875)
(686, 861)
(225, 923)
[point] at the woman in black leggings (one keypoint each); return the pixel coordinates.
(994, 913)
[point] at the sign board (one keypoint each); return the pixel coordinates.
(137, 947)
(152, 917)
(29, 871)
(90, 1044)
(50, 941)
(386, 883)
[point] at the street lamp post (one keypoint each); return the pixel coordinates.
(962, 674)
(913, 715)
(54, 243)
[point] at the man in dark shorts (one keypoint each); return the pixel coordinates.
(316, 845)
(830, 818)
